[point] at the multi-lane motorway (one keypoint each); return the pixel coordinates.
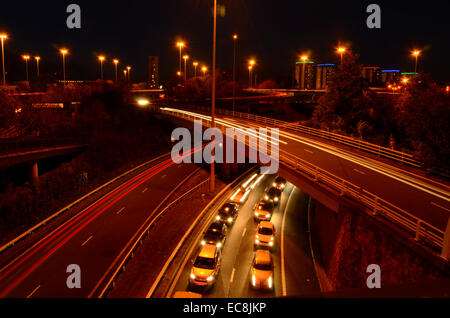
(294, 272)
(95, 238)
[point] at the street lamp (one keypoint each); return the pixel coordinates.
(3, 37)
(195, 68)
(204, 69)
(101, 58)
(125, 74)
(116, 61)
(129, 71)
(304, 59)
(37, 58)
(416, 54)
(251, 64)
(26, 58)
(341, 50)
(213, 101)
(64, 52)
(235, 38)
(180, 46)
(185, 58)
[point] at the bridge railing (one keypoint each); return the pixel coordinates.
(399, 156)
(419, 229)
(10, 146)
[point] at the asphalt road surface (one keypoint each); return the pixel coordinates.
(95, 238)
(294, 272)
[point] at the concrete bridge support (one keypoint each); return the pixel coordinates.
(34, 173)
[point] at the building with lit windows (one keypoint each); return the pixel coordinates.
(304, 74)
(390, 76)
(324, 75)
(153, 71)
(372, 74)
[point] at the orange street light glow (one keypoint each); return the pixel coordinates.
(341, 49)
(26, 57)
(101, 58)
(185, 57)
(3, 36)
(116, 61)
(64, 51)
(37, 58)
(235, 37)
(304, 58)
(252, 62)
(416, 52)
(180, 44)
(195, 64)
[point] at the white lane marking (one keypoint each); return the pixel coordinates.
(164, 176)
(359, 171)
(243, 233)
(232, 274)
(439, 206)
(283, 271)
(145, 190)
(32, 293)
(311, 152)
(87, 240)
(121, 210)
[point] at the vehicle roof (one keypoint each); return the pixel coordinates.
(263, 257)
(215, 226)
(208, 251)
(273, 189)
(266, 224)
(265, 204)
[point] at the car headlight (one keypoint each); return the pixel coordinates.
(256, 241)
(269, 282)
(271, 238)
(210, 278)
(219, 244)
(218, 218)
(274, 184)
(283, 186)
(230, 220)
(268, 215)
(192, 276)
(256, 214)
(257, 236)
(253, 280)
(276, 199)
(203, 242)
(270, 243)
(266, 197)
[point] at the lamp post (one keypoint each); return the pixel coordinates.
(204, 69)
(185, 58)
(129, 73)
(341, 50)
(180, 46)
(26, 58)
(235, 38)
(304, 59)
(213, 101)
(3, 37)
(116, 61)
(101, 58)
(251, 64)
(37, 58)
(64, 52)
(195, 68)
(416, 54)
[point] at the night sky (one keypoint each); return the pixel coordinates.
(275, 33)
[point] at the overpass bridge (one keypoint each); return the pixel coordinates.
(418, 207)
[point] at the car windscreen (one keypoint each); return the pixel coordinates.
(266, 206)
(212, 234)
(203, 262)
(265, 231)
(274, 192)
(263, 266)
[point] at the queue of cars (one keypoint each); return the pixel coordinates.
(206, 266)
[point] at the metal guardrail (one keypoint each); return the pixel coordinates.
(402, 157)
(416, 226)
(9, 146)
(72, 205)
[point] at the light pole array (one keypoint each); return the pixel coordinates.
(37, 58)
(26, 58)
(195, 64)
(185, 58)
(101, 58)
(235, 38)
(180, 46)
(416, 54)
(116, 61)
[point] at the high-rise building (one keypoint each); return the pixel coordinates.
(324, 75)
(153, 71)
(304, 74)
(372, 74)
(390, 76)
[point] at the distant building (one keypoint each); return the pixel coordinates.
(324, 75)
(372, 74)
(153, 71)
(305, 74)
(390, 76)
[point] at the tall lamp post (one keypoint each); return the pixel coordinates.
(101, 58)
(3, 37)
(304, 59)
(251, 64)
(180, 46)
(63, 53)
(185, 58)
(416, 54)
(195, 68)
(37, 58)
(341, 50)
(116, 61)
(26, 58)
(235, 38)
(213, 100)
(128, 72)
(204, 69)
